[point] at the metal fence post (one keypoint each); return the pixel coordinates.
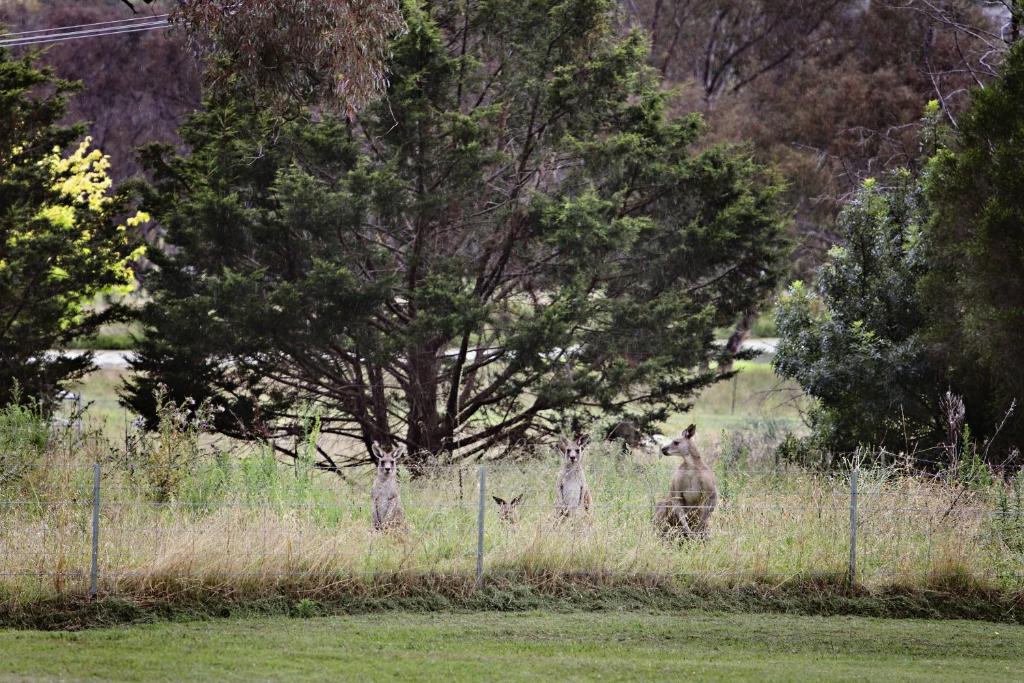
(732, 410)
(94, 571)
(853, 524)
(480, 529)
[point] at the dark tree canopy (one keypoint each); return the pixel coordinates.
(975, 290)
(517, 239)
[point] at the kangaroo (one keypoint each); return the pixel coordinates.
(692, 493)
(572, 494)
(387, 506)
(508, 510)
(627, 432)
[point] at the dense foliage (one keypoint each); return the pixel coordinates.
(975, 291)
(853, 339)
(518, 236)
(925, 297)
(60, 240)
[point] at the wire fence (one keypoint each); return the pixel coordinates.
(866, 530)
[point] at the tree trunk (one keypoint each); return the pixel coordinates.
(1016, 11)
(738, 336)
(425, 435)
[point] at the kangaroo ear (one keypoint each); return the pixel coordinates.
(515, 501)
(398, 452)
(378, 452)
(690, 431)
(583, 440)
(499, 501)
(563, 443)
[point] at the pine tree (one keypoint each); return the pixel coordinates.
(518, 239)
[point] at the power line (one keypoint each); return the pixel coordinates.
(61, 29)
(94, 33)
(42, 40)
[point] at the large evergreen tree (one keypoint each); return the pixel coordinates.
(516, 238)
(975, 291)
(60, 244)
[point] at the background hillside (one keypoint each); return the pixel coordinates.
(829, 91)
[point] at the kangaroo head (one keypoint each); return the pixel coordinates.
(682, 444)
(572, 450)
(387, 461)
(508, 510)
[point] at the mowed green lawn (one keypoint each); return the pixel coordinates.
(524, 646)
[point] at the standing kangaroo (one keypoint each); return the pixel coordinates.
(572, 494)
(692, 493)
(387, 506)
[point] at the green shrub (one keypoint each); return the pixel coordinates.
(24, 435)
(923, 296)
(852, 338)
(160, 462)
(306, 608)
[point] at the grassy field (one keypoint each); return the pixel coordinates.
(240, 523)
(524, 646)
(252, 528)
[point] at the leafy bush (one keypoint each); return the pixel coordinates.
(852, 340)
(923, 299)
(306, 608)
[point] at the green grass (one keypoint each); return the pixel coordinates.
(524, 646)
(103, 414)
(115, 336)
(755, 394)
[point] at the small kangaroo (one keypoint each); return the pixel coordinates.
(387, 506)
(572, 494)
(508, 510)
(693, 494)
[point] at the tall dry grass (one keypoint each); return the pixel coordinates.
(249, 526)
